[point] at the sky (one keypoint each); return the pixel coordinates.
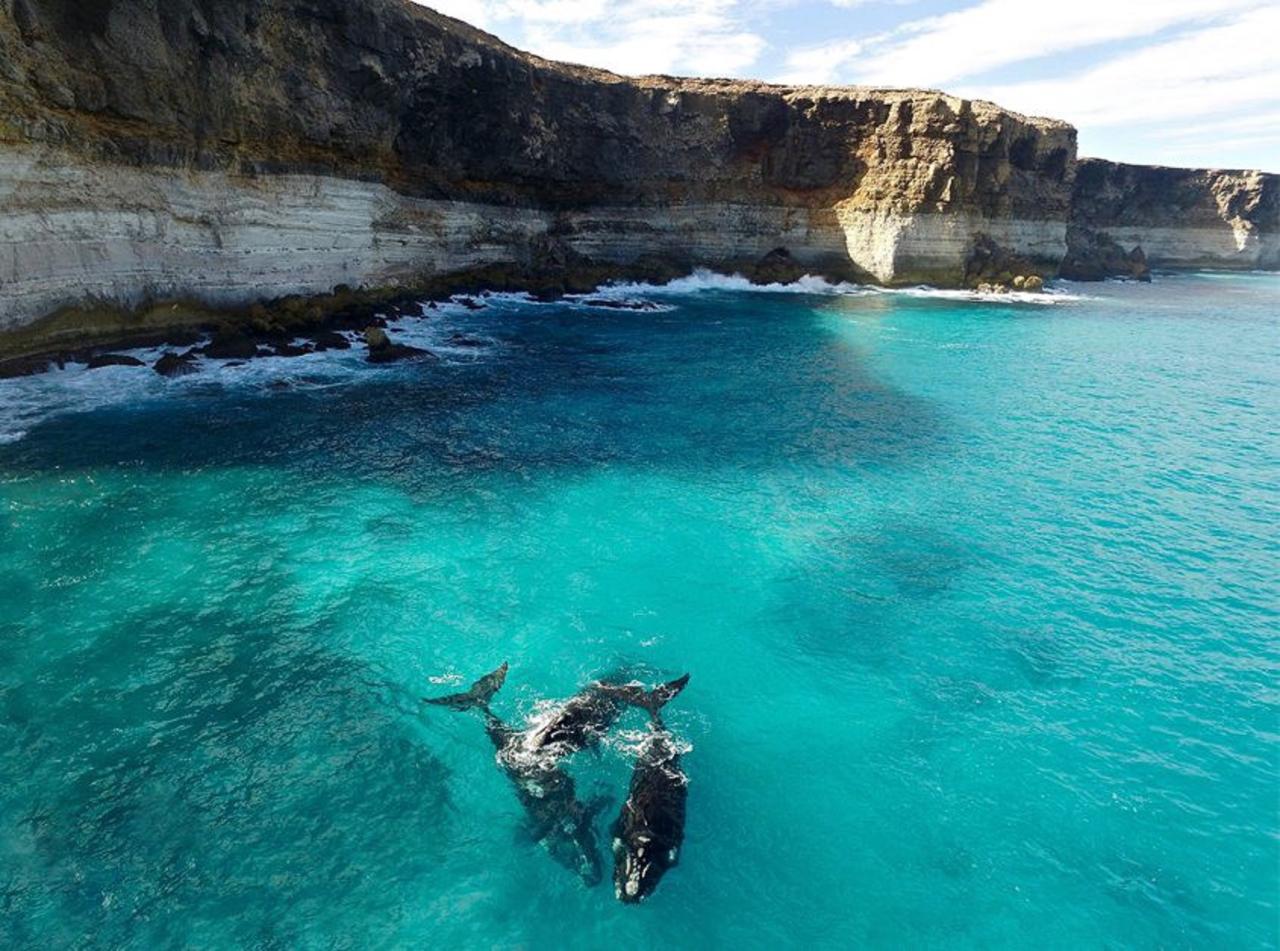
(1167, 82)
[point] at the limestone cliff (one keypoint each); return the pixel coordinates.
(224, 151)
(1177, 217)
(210, 154)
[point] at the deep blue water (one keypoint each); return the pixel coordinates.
(981, 601)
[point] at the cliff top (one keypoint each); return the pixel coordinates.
(718, 85)
(1148, 169)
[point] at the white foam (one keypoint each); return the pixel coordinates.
(633, 743)
(703, 280)
(25, 402)
(1048, 297)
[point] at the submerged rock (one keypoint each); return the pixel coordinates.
(176, 364)
(383, 350)
(231, 344)
(777, 267)
(103, 360)
(467, 343)
(330, 340)
(615, 304)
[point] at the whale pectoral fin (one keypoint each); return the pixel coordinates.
(669, 691)
(650, 700)
(538, 830)
(479, 694)
(531, 832)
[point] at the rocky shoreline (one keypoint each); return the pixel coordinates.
(271, 328)
(279, 166)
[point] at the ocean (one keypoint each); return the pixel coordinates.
(980, 600)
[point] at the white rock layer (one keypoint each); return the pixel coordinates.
(72, 234)
(1234, 245)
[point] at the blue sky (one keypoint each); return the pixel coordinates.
(1173, 82)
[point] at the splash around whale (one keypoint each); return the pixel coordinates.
(648, 833)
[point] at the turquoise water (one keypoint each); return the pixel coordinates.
(981, 603)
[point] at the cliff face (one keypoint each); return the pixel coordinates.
(1179, 218)
(222, 152)
(229, 150)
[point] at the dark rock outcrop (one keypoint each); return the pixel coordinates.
(991, 263)
(102, 360)
(1175, 217)
(329, 340)
(383, 350)
(176, 364)
(1095, 256)
(231, 343)
(777, 267)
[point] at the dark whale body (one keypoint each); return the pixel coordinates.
(587, 716)
(649, 832)
(557, 818)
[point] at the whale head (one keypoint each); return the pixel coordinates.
(639, 862)
(569, 834)
(573, 845)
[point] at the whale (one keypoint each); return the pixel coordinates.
(649, 832)
(555, 816)
(582, 720)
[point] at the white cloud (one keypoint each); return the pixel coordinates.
(472, 11)
(937, 51)
(1179, 68)
(1204, 73)
(695, 37)
(1209, 97)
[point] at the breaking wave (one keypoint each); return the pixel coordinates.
(26, 402)
(703, 280)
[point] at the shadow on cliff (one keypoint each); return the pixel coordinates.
(722, 382)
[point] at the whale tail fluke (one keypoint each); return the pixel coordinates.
(651, 700)
(660, 696)
(477, 697)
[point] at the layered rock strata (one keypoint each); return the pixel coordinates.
(1178, 217)
(221, 153)
(168, 163)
